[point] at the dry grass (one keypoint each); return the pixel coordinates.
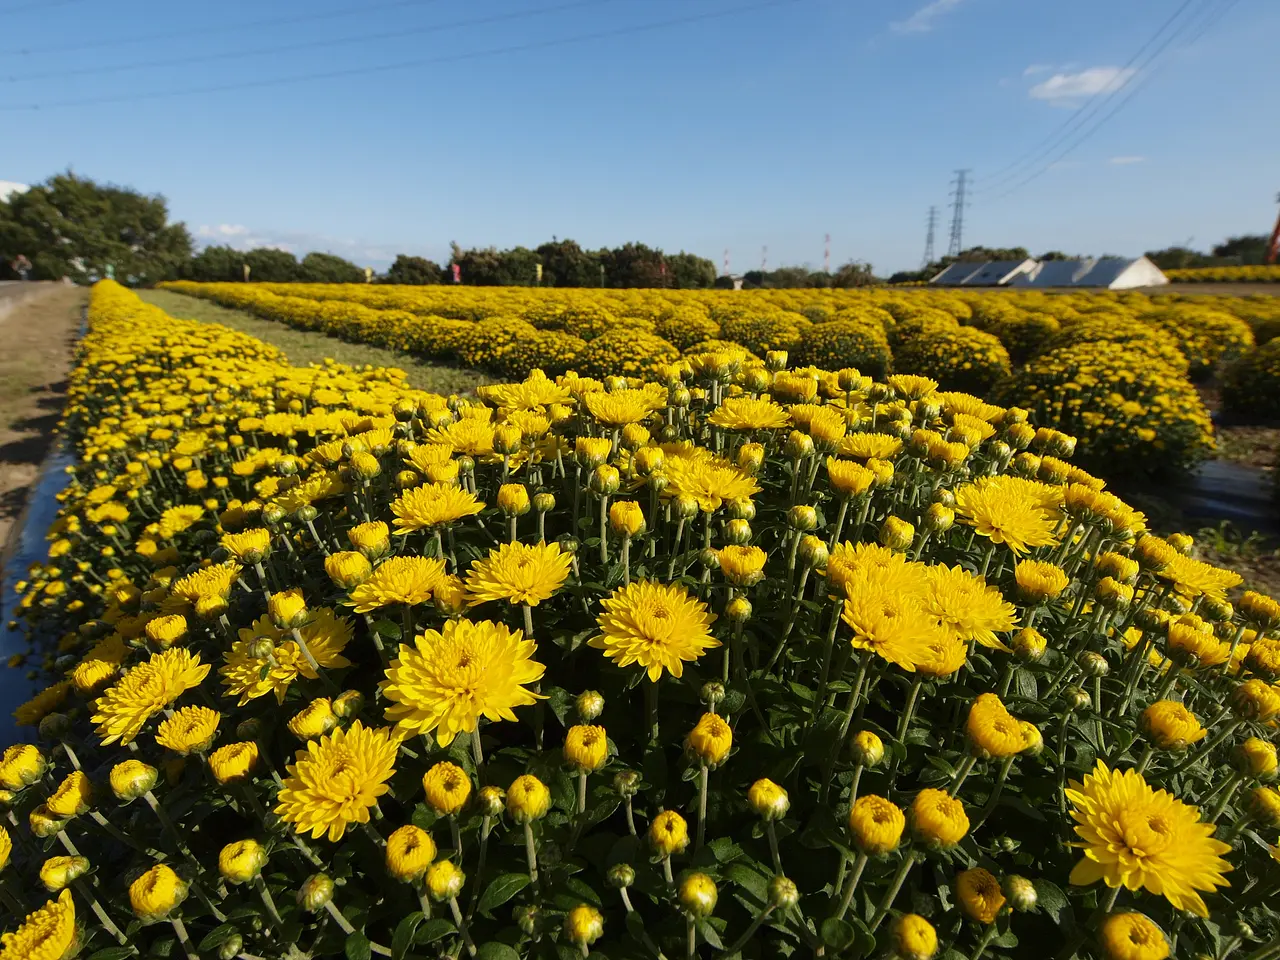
(305, 346)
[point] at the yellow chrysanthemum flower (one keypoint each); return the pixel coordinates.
(743, 414)
(407, 580)
(47, 934)
(248, 677)
(449, 679)
(1134, 835)
(968, 605)
(655, 625)
(992, 730)
(979, 894)
(337, 779)
(144, 691)
(518, 573)
(620, 407)
(1009, 510)
(708, 480)
(189, 730)
(433, 505)
(888, 617)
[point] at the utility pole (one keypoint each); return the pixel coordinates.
(957, 212)
(826, 254)
(726, 261)
(928, 239)
(764, 259)
(1273, 248)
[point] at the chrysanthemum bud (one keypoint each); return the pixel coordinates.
(668, 833)
(54, 726)
(1029, 644)
(626, 518)
(584, 925)
(491, 801)
(314, 720)
(165, 631)
(506, 438)
(698, 895)
(131, 779)
(798, 446)
(1020, 892)
(235, 762)
(287, 609)
(866, 748)
(939, 518)
(528, 917)
(621, 876)
(813, 552)
(589, 705)
(1093, 664)
(1113, 594)
(348, 704)
(626, 783)
(241, 861)
(21, 765)
(605, 480)
(447, 788)
(914, 938)
(544, 502)
(684, 508)
(1255, 700)
(410, 851)
(1256, 758)
(445, 880)
(1075, 698)
(802, 518)
(315, 892)
(710, 740)
(738, 610)
(261, 648)
(231, 947)
(896, 533)
(768, 800)
(156, 893)
(528, 799)
(876, 825)
(783, 893)
(737, 532)
(750, 457)
(513, 499)
(58, 872)
(586, 748)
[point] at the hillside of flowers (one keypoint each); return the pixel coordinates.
(1117, 371)
(733, 659)
(1259, 273)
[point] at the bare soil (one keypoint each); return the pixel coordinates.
(1218, 289)
(37, 337)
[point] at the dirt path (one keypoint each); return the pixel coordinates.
(36, 340)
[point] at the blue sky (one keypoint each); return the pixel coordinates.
(764, 122)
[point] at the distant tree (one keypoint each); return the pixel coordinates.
(634, 265)
(418, 271)
(268, 265)
(1251, 249)
(975, 255)
(1177, 258)
(853, 274)
(687, 271)
(1059, 255)
(327, 268)
(215, 265)
(565, 264)
(70, 226)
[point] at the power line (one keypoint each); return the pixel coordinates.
(404, 64)
(206, 29)
(1214, 18)
(312, 44)
(1081, 113)
(958, 204)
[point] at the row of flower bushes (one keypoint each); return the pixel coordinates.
(731, 660)
(1135, 360)
(1258, 273)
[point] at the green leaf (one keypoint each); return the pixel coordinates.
(434, 930)
(502, 889)
(710, 934)
(560, 702)
(837, 934)
(493, 950)
(1050, 898)
(111, 953)
(1025, 684)
(357, 947)
(402, 939)
(214, 938)
(387, 628)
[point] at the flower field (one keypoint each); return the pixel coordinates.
(1117, 371)
(723, 658)
(1261, 273)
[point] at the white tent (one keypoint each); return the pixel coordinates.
(1110, 273)
(996, 273)
(957, 273)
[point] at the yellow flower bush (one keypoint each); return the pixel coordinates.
(728, 659)
(1251, 386)
(1259, 273)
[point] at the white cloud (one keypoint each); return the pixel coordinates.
(1068, 89)
(922, 20)
(8, 187)
(1036, 68)
(1125, 161)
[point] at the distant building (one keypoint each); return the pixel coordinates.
(1111, 273)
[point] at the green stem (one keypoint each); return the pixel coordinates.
(704, 779)
(899, 878)
(859, 864)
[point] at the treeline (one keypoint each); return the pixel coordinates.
(69, 226)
